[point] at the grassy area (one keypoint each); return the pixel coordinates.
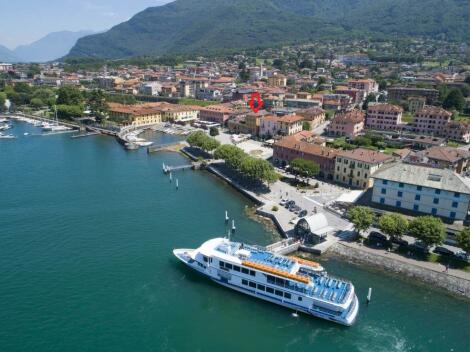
(454, 144)
(407, 117)
(462, 117)
(187, 101)
(389, 151)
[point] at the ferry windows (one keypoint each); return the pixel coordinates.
(278, 293)
(236, 268)
(252, 273)
(244, 282)
(271, 279)
(205, 259)
(269, 289)
(221, 264)
(228, 266)
(299, 298)
(287, 295)
(245, 271)
(252, 284)
(261, 287)
(280, 282)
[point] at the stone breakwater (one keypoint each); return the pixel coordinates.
(455, 285)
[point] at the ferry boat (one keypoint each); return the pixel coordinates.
(295, 283)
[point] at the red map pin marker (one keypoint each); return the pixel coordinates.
(255, 102)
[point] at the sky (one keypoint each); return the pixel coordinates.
(25, 21)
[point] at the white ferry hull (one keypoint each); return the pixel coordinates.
(180, 254)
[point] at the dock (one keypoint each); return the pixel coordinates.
(81, 135)
(166, 147)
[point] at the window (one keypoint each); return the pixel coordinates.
(261, 287)
(456, 194)
(245, 271)
(382, 200)
(438, 191)
(269, 289)
(299, 298)
(455, 204)
(383, 191)
(252, 273)
(419, 188)
(278, 293)
(400, 194)
(452, 214)
(236, 268)
(205, 258)
(417, 197)
(416, 207)
(401, 185)
(384, 182)
(435, 200)
(221, 264)
(287, 295)
(434, 211)
(252, 284)
(228, 266)
(244, 282)
(398, 204)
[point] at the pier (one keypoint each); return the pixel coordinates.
(85, 134)
(166, 147)
(168, 169)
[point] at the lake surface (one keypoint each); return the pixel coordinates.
(86, 237)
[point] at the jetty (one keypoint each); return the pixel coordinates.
(168, 169)
(81, 135)
(166, 147)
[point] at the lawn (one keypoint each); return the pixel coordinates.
(407, 117)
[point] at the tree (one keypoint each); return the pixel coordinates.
(394, 225)
(369, 99)
(454, 100)
(306, 126)
(69, 111)
(37, 103)
(46, 95)
(69, 95)
(279, 64)
(201, 140)
(428, 229)
(304, 168)
(3, 99)
(463, 239)
(232, 155)
(361, 217)
(97, 103)
(214, 131)
(258, 169)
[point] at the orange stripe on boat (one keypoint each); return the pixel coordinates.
(278, 272)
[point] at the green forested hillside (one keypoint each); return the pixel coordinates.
(199, 26)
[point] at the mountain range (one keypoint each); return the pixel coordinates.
(201, 26)
(48, 48)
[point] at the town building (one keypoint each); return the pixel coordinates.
(457, 130)
(290, 124)
(215, 113)
(277, 80)
(348, 124)
(150, 88)
(315, 116)
(134, 115)
(384, 117)
(269, 126)
(291, 147)
(5, 67)
(354, 168)
(430, 120)
(442, 157)
(439, 192)
(403, 93)
(416, 104)
(368, 86)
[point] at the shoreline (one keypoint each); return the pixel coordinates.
(353, 253)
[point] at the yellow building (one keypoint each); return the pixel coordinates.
(277, 80)
(134, 115)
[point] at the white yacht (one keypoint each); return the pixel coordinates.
(295, 283)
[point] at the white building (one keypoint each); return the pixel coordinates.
(5, 67)
(422, 189)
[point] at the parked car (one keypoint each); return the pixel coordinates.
(283, 202)
(377, 236)
(462, 255)
(303, 213)
(399, 241)
(419, 247)
(443, 251)
(290, 204)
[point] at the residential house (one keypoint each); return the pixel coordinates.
(290, 124)
(315, 116)
(439, 192)
(430, 120)
(384, 117)
(269, 126)
(457, 131)
(443, 157)
(348, 124)
(134, 115)
(215, 113)
(403, 93)
(291, 147)
(367, 86)
(277, 80)
(416, 104)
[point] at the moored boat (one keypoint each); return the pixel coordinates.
(301, 285)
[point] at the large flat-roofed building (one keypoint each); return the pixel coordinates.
(385, 117)
(216, 113)
(355, 167)
(430, 120)
(439, 192)
(403, 93)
